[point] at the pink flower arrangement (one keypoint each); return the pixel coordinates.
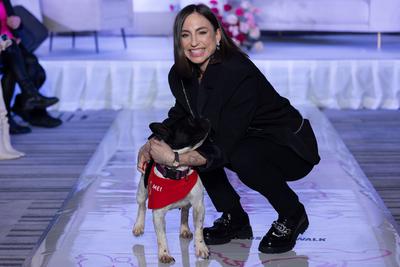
(238, 18)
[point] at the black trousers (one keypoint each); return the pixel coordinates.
(22, 67)
(263, 166)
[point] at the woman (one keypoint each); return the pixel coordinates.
(22, 67)
(255, 132)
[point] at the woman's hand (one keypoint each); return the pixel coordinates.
(143, 157)
(161, 153)
(13, 22)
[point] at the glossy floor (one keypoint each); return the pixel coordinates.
(349, 226)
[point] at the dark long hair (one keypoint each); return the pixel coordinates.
(227, 47)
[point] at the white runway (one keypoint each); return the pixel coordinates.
(349, 225)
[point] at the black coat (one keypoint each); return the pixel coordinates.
(239, 102)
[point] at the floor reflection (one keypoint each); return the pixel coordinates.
(348, 225)
(236, 253)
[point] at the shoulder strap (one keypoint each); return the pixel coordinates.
(187, 100)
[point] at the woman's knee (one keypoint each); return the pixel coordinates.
(254, 168)
(37, 74)
(244, 167)
(210, 176)
(246, 159)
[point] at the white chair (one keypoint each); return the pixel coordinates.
(86, 16)
(375, 16)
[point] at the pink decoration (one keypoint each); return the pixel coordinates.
(238, 18)
(239, 12)
(227, 7)
(241, 37)
(215, 10)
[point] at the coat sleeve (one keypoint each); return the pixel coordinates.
(213, 154)
(236, 116)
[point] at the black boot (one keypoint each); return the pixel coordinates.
(227, 228)
(15, 128)
(14, 61)
(31, 100)
(35, 117)
(283, 233)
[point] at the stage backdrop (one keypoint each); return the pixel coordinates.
(100, 84)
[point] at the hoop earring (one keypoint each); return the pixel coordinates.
(218, 46)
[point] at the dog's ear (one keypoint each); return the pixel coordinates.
(160, 130)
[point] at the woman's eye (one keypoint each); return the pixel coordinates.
(203, 32)
(184, 35)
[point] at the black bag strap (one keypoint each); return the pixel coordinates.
(187, 99)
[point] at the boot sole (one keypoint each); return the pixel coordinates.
(44, 125)
(26, 117)
(245, 233)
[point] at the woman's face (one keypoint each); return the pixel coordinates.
(199, 40)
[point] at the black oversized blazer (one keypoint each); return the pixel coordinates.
(240, 102)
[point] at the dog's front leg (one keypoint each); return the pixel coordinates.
(141, 196)
(185, 230)
(159, 227)
(198, 219)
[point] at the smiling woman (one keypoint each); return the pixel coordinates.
(199, 40)
(197, 35)
(255, 132)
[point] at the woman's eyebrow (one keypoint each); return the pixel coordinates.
(198, 29)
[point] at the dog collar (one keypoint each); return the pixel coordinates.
(172, 173)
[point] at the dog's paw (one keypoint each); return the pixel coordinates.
(186, 234)
(202, 251)
(138, 230)
(165, 258)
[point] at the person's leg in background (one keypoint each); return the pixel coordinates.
(8, 83)
(38, 116)
(14, 62)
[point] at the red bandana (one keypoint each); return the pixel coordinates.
(163, 192)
